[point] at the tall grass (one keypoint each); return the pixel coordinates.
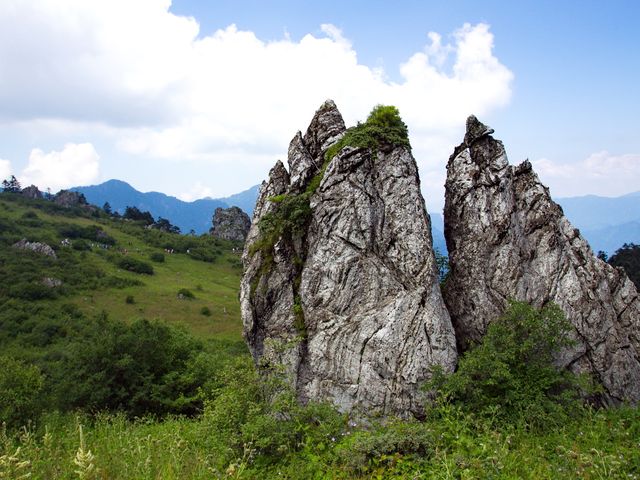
(599, 445)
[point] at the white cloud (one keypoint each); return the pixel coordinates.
(197, 191)
(601, 173)
(5, 169)
(166, 92)
(76, 164)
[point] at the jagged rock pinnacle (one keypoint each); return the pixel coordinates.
(346, 301)
(508, 240)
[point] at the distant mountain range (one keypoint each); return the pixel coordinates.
(605, 222)
(188, 216)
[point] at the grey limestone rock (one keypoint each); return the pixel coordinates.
(508, 240)
(38, 247)
(230, 224)
(349, 306)
(51, 282)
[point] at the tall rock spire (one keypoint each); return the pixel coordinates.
(508, 240)
(340, 288)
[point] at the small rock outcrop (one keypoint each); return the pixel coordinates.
(230, 224)
(51, 282)
(32, 192)
(508, 240)
(38, 247)
(68, 199)
(340, 291)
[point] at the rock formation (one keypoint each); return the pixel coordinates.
(230, 224)
(52, 282)
(340, 291)
(32, 192)
(68, 199)
(38, 247)
(507, 239)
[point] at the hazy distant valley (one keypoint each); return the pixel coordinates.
(606, 222)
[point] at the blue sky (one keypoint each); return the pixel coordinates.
(172, 98)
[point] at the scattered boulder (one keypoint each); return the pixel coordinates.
(230, 224)
(51, 282)
(508, 240)
(32, 192)
(41, 248)
(340, 291)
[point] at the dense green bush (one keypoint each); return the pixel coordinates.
(20, 388)
(140, 369)
(31, 291)
(383, 129)
(119, 282)
(134, 265)
(260, 417)
(185, 293)
(90, 232)
(81, 245)
(203, 254)
(157, 257)
(382, 445)
(511, 376)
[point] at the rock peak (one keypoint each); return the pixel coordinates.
(475, 130)
(326, 127)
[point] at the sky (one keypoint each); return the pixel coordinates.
(200, 98)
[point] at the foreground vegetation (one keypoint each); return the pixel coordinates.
(246, 440)
(125, 371)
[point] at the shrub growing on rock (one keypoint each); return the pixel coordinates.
(511, 375)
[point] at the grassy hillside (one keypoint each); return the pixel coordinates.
(93, 281)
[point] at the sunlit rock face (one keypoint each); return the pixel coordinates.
(349, 308)
(507, 239)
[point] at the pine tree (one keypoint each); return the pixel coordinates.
(11, 185)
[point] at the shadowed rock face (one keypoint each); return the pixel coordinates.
(32, 192)
(350, 307)
(507, 239)
(230, 224)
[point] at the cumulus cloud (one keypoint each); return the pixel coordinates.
(168, 92)
(76, 164)
(5, 169)
(601, 173)
(197, 191)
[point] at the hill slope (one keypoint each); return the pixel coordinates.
(90, 254)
